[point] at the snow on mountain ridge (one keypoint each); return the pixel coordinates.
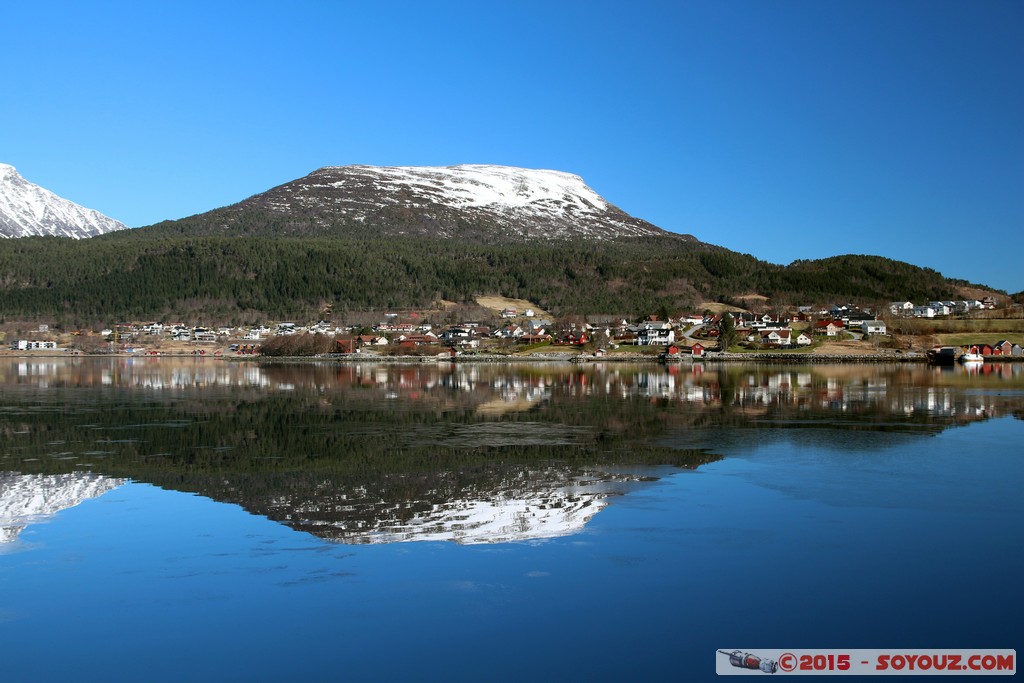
(479, 185)
(469, 201)
(27, 209)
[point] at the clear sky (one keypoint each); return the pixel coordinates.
(786, 129)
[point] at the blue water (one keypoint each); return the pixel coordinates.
(807, 539)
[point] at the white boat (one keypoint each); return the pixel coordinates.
(971, 358)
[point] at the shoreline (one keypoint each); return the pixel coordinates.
(554, 357)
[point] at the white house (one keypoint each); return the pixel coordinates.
(924, 312)
(803, 340)
(204, 336)
(872, 327)
(901, 307)
(654, 334)
(776, 337)
(830, 328)
(26, 345)
(513, 332)
(455, 335)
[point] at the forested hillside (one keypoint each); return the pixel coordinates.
(151, 273)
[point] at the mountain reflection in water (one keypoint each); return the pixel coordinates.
(32, 498)
(471, 453)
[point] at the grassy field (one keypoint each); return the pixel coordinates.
(1003, 328)
(962, 338)
(500, 303)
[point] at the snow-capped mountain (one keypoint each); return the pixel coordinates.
(31, 498)
(477, 202)
(27, 210)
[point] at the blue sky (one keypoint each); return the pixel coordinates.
(784, 129)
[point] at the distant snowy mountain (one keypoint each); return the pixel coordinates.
(27, 210)
(474, 202)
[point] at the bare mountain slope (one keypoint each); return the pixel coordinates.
(472, 202)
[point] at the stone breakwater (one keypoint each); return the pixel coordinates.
(568, 356)
(908, 357)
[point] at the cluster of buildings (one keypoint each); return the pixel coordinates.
(933, 309)
(1002, 347)
(770, 331)
(797, 328)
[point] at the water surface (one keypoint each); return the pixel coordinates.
(205, 520)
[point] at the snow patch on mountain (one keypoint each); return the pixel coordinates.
(29, 210)
(472, 186)
(517, 202)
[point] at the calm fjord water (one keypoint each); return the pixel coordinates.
(204, 520)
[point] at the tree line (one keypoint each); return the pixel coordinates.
(136, 274)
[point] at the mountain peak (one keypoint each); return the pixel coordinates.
(480, 185)
(27, 209)
(475, 202)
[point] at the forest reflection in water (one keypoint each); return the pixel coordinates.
(472, 453)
